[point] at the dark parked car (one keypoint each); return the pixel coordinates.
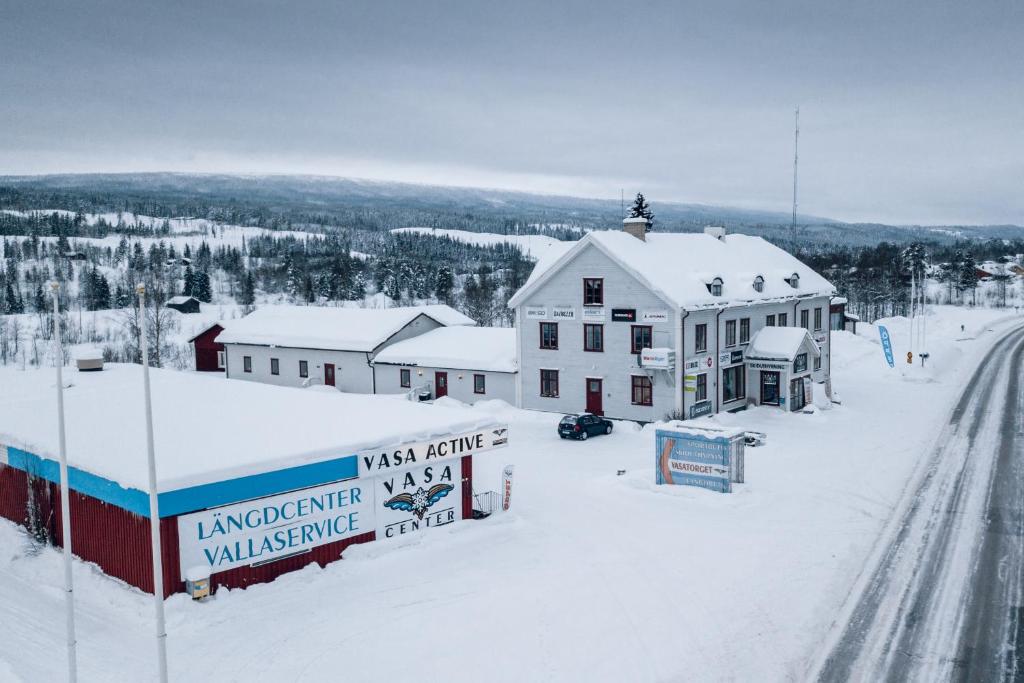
(583, 426)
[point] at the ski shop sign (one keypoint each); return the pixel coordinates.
(266, 529)
(707, 459)
(383, 460)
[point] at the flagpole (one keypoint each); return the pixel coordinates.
(65, 500)
(154, 511)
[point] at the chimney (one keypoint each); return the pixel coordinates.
(716, 231)
(637, 227)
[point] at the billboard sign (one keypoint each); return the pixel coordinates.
(592, 313)
(697, 458)
(265, 529)
(624, 315)
(700, 409)
(563, 313)
(886, 345)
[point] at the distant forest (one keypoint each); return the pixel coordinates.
(353, 252)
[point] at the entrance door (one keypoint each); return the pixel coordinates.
(594, 405)
(770, 388)
(796, 394)
(440, 384)
(329, 374)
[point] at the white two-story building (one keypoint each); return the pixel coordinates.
(638, 325)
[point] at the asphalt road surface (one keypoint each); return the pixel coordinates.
(945, 601)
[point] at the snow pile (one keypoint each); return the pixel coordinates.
(471, 348)
(338, 329)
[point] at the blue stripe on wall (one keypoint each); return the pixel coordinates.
(193, 498)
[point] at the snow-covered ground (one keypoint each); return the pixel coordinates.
(531, 245)
(591, 576)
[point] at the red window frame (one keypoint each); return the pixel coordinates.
(554, 326)
(593, 298)
(405, 378)
(482, 387)
(586, 337)
(549, 379)
(642, 391)
(633, 329)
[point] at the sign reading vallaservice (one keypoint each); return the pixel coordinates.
(268, 528)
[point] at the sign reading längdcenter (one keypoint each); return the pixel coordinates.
(398, 490)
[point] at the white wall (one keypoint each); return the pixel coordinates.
(500, 385)
(352, 370)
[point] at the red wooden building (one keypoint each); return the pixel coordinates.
(270, 480)
(209, 354)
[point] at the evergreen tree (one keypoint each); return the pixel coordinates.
(247, 297)
(202, 288)
(444, 283)
(12, 300)
(640, 209)
(39, 303)
(189, 286)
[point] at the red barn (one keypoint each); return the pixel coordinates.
(263, 480)
(209, 354)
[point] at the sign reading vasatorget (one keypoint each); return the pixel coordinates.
(708, 459)
(399, 490)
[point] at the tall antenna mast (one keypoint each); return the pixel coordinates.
(796, 157)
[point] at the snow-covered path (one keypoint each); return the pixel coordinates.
(943, 602)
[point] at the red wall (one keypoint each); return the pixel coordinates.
(206, 350)
(118, 541)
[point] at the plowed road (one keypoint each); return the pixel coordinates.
(944, 601)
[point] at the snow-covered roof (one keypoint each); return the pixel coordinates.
(338, 329)
(780, 343)
(178, 300)
(206, 429)
(839, 300)
(469, 348)
(679, 267)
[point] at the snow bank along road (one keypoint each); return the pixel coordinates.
(945, 599)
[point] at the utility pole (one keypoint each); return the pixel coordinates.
(796, 157)
(154, 508)
(65, 492)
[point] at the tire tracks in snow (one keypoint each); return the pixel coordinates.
(906, 621)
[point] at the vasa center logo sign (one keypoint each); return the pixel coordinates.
(419, 498)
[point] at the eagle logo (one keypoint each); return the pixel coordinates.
(418, 502)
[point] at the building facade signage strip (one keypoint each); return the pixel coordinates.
(737, 357)
(593, 313)
(659, 358)
(563, 313)
(404, 456)
(656, 316)
(268, 528)
(536, 312)
(624, 315)
(700, 409)
(767, 365)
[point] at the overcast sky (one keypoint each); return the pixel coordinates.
(911, 111)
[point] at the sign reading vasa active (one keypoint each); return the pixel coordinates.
(264, 529)
(419, 498)
(378, 461)
(536, 312)
(563, 313)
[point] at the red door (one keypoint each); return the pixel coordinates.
(329, 374)
(594, 396)
(440, 384)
